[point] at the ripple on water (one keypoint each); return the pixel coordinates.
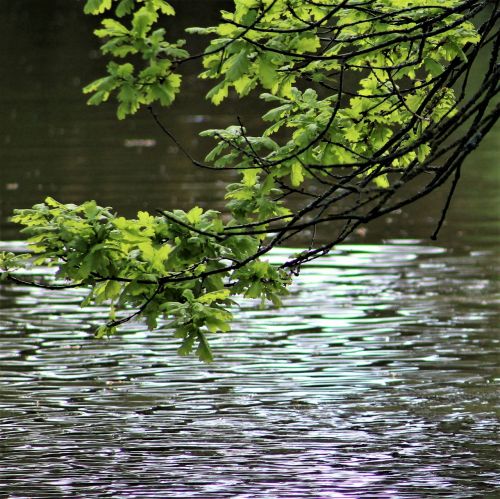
(376, 379)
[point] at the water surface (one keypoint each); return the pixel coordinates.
(376, 379)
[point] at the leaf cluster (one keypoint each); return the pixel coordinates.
(135, 84)
(177, 266)
(369, 110)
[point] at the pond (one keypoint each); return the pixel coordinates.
(378, 378)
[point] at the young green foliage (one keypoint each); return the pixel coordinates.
(169, 267)
(155, 79)
(360, 100)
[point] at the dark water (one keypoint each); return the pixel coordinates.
(377, 379)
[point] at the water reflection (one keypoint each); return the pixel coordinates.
(374, 380)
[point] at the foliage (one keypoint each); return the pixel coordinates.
(361, 99)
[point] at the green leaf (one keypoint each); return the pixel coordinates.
(98, 98)
(296, 174)
(226, 30)
(112, 290)
(382, 181)
(218, 93)
(187, 345)
(96, 6)
(237, 66)
(243, 85)
(423, 151)
(161, 93)
(105, 84)
(434, 68)
(124, 7)
(194, 215)
(111, 27)
(214, 324)
(381, 134)
(123, 71)
(129, 101)
(276, 113)
(267, 71)
(203, 351)
(188, 294)
(352, 134)
(142, 21)
(164, 7)
(457, 49)
(209, 298)
(307, 42)
(104, 332)
(250, 177)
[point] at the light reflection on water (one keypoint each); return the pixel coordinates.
(374, 380)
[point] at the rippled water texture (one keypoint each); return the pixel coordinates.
(377, 379)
